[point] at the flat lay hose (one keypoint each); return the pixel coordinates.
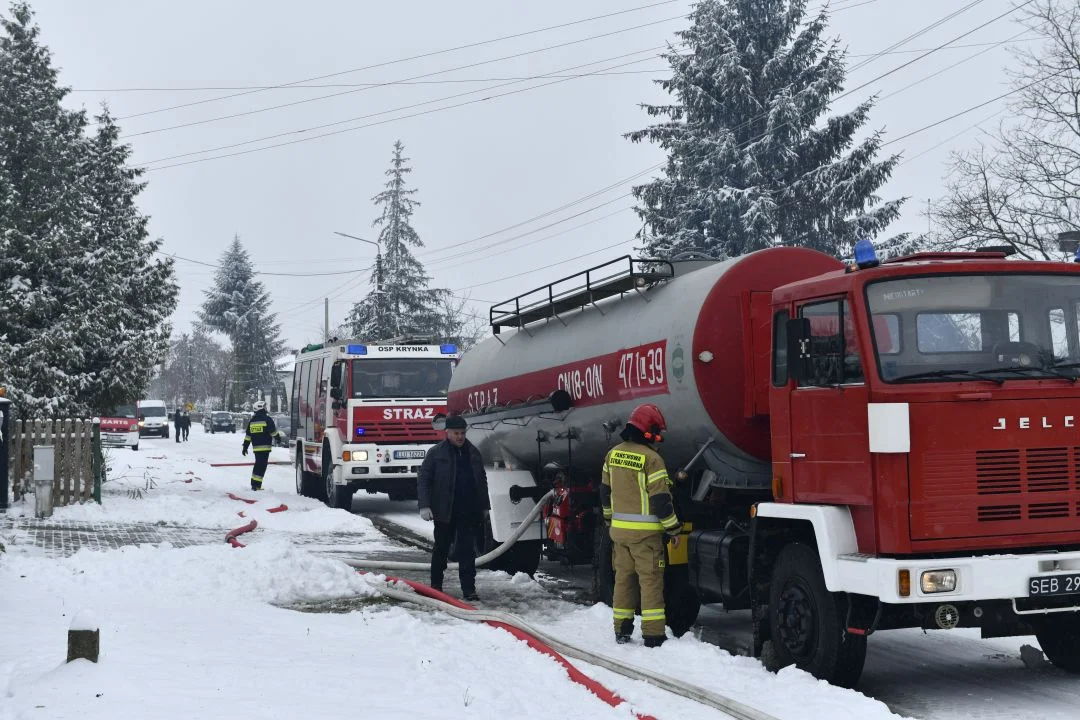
(429, 597)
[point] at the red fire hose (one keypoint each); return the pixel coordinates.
(576, 675)
(231, 536)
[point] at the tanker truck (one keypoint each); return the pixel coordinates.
(869, 446)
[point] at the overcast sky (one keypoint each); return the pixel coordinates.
(485, 171)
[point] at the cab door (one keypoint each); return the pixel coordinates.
(829, 445)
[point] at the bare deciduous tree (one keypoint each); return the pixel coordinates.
(1022, 186)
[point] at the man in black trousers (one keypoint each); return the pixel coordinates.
(452, 491)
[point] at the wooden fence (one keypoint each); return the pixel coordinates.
(77, 473)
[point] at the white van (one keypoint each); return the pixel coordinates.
(153, 418)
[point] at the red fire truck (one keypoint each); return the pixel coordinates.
(870, 446)
(362, 416)
(120, 427)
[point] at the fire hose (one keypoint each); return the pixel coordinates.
(520, 530)
(425, 597)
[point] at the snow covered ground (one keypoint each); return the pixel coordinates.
(211, 631)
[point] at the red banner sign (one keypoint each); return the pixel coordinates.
(624, 375)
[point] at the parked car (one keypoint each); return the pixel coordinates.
(218, 421)
(283, 422)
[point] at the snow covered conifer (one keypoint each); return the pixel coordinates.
(74, 260)
(129, 294)
(752, 160)
(402, 303)
(238, 306)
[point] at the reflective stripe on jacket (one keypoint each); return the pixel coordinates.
(635, 493)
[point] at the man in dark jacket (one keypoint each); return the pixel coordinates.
(452, 491)
(178, 424)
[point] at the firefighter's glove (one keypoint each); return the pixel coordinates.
(425, 514)
(244, 451)
(681, 476)
(672, 539)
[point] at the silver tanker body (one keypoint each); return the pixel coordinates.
(696, 344)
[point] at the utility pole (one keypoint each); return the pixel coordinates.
(326, 319)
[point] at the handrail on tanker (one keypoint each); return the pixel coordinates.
(599, 282)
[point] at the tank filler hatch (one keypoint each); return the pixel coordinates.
(622, 275)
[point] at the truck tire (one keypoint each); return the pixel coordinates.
(398, 495)
(1059, 638)
(337, 496)
(806, 621)
(307, 484)
(603, 572)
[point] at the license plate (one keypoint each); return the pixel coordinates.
(1044, 585)
(409, 454)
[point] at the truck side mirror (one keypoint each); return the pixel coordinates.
(335, 392)
(335, 377)
(799, 354)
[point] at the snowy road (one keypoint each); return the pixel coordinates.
(936, 675)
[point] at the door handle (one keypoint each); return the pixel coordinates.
(798, 455)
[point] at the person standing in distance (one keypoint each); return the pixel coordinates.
(635, 495)
(186, 424)
(178, 424)
(261, 434)
(452, 491)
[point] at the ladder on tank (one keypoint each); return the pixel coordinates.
(575, 291)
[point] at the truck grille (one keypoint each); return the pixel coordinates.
(402, 432)
(965, 494)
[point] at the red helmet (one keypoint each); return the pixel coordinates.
(649, 420)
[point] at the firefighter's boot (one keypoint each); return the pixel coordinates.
(653, 641)
(626, 629)
(256, 485)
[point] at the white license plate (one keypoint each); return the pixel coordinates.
(409, 454)
(1044, 585)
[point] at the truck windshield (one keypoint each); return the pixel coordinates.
(976, 327)
(122, 411)
(407, 378)
(152, 411)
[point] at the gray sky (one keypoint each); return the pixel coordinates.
(479, 168)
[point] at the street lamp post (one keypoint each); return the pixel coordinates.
(378, 273)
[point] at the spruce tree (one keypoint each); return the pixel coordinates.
(39, 199)
(402, 303)
(753, 161)
(239, 307)
(130, 293)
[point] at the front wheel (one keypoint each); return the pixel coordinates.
(337, 496)
(1059, 638)
(135, 446)
(806, 621)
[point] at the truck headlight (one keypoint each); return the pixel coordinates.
(354, 455)
(938, 581)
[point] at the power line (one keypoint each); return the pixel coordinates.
(917, 33)
(390, 83)
(410, 58)
(447, 81)
(405, 107)
(364, 126)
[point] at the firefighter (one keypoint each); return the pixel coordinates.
(261, 434)
(638, 510)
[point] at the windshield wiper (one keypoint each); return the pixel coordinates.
(1028, 369)
(956, 374)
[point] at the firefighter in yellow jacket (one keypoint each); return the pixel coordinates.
(638, 509)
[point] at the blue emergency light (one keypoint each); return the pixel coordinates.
(865, 255)
(356, 349)
(359, 431)
(448, 349)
